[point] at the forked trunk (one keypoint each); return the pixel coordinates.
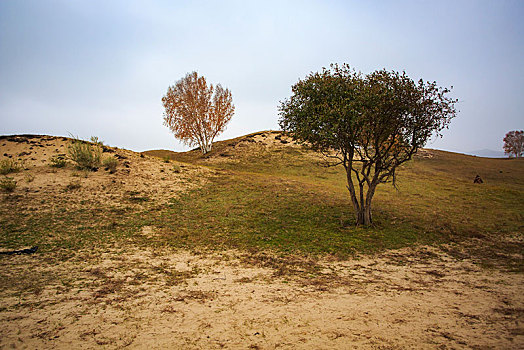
(361, 202)
(206, 148)
(363, 216)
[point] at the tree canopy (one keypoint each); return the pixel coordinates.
(195, 112)
(370, 123)
(514, 143)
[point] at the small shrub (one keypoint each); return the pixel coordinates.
(8, 184)
(57, 161)
(166, 159)
(96, 141)
(83, 173)
(85, 155)
(29, 177)
(73, 185)
(110, 163)
(176, 168)
(8, 166)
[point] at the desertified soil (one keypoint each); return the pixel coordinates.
(137, 176)
(160, 299)
(138, 296)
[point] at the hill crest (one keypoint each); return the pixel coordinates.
(137, 177)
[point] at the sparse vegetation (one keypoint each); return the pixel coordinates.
(136, 196)
(166, 159)
(82, 173)
(85, 155)
(7, 184)
(176, 168)
(262, 217)
(96, 141)
(110, 163)
(73, 185)
(29, 177)
(9, 165)
(58, 161)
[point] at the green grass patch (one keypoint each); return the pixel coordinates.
(435, 201)
(270, 213)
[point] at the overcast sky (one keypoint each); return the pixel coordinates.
(101, 67)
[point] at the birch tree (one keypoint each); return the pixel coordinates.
(197, 112)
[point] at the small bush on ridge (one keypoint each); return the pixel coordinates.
(29, 178)
(58, 161)
(110, 163)
(8, 166)
(85, 155)
(96, 141)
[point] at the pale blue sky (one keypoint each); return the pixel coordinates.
(101, 67)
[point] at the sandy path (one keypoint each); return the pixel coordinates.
(160, 299)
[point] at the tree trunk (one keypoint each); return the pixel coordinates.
(359, 215)
(367, 216)
(363, 216)
(206, 148)
(362, 207)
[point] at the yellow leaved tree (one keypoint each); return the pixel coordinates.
(195, 112)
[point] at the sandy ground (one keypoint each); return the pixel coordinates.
(256, 145)
(162, 299)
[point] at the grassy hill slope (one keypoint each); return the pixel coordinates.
(262, 191)
(276, 194)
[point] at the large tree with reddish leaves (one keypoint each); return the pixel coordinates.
(195, 112)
